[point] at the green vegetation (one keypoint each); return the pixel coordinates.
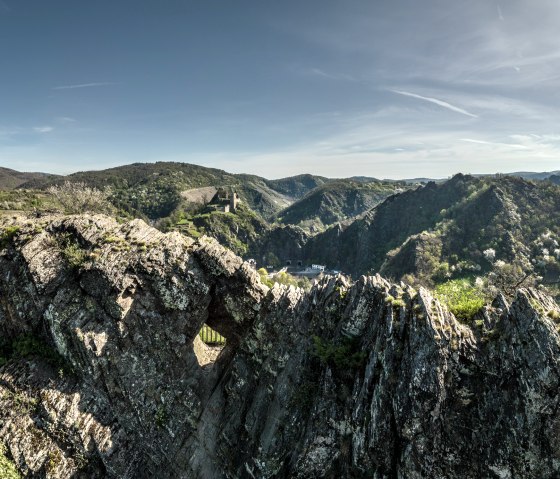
(154, 190)
(236, 231)
(398, 303)
(335, 201)
(297, 186)
(343, 356)
(21, 402)
(74, 254)
(284, 278)
(8, 235)
(7, 468)
(210, 336)
(461, 297)
(55, 458)
(424, 236)
(441, 231)
(27, 345)
(161, 416)
(24, 200)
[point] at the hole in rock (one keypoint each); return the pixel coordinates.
(208, 345)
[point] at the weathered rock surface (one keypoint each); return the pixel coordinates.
(343, 381)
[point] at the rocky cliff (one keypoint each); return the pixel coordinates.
(357, 380)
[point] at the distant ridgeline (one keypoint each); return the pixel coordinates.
(430, 232)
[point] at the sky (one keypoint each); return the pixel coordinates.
(396, 89)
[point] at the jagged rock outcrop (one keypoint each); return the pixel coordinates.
(349, 380)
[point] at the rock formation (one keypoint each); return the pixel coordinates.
(367, 379)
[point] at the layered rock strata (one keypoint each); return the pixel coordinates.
(363, 379)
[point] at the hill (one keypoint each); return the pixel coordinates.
(10, 179)
(554, 179)
(441, 230)
(531, 175)
(297, 186)
(240, 231)
(429, 233)
(335, 201)
(174, 194)
(155, 190)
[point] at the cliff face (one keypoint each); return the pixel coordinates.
(341, 382)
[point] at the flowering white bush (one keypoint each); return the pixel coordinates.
(78, 198)
(490, 254)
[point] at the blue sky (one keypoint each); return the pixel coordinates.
(338, 88)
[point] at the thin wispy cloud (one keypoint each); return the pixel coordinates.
(43, 129)
(65, 119)
(435, 101)
(477, 91)
(493, 143)
(500, 15)
(4, 7)
(84, 85)
(331, 76)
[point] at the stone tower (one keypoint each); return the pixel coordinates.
(234, 201)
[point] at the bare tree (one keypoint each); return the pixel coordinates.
(76, 198)
(508, 277)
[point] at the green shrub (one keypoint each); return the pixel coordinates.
(7, 468)
(161, 416)
(27, 346)
(75, 256)
(398, 303)
(71, 250)
(111, 239)
(342, 356)
(8, 235)
(462, 298)
(286, 279)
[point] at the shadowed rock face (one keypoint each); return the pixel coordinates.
(338, 382)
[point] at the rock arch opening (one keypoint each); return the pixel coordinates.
(208, 345)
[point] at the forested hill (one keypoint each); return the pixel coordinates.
(10, 179)
(432, 232)
(441, 228)
(336, 201)
(154, 189)
(167, 192)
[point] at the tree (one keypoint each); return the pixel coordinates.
(76, 198)
(508, 277)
